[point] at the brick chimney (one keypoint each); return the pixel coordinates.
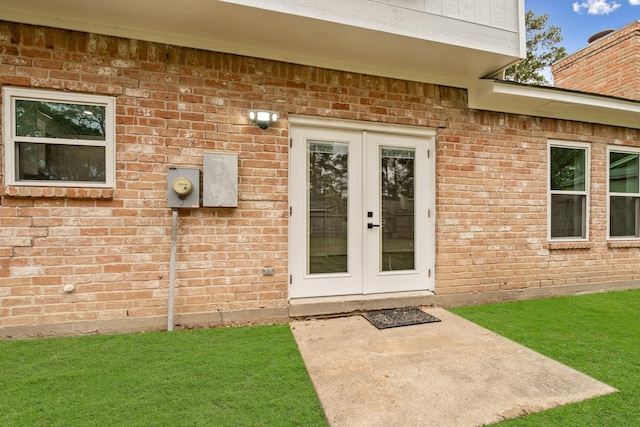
(609, 65)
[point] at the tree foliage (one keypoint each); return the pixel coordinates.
(542, 51)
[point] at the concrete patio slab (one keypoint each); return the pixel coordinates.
(450, 373)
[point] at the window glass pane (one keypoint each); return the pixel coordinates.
(43, 119)
(568, 215)
(623, 172)
(624, 217)
(327, 188)
(47, 162)
(568, 169)
(397, 168)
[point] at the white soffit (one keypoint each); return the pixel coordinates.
(266, 33)
(540, 101)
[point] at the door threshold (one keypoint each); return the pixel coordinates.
(344, 304)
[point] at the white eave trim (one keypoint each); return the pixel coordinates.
(541, 101)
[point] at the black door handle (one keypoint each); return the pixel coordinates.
(370, 225)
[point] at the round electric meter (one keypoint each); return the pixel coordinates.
(182, 186)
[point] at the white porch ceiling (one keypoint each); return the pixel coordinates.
(228, 27)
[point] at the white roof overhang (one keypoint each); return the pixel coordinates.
(541, 101)
(430, 48)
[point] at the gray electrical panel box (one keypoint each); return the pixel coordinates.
(183, 188)
(220, 180)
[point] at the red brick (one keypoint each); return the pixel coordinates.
(114, 245)
(590, 68)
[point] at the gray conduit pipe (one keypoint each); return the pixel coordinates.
(172, 265)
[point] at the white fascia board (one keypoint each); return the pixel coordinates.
(554, 103)
(507, 38)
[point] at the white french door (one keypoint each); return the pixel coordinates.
(362, 210)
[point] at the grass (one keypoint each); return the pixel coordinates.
(251, 376)
(254, 376)
(598, 335)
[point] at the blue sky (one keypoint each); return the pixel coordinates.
(579, 19)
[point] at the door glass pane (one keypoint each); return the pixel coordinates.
(327, 194)
(624, 217)
(623, 172)
(397, 216)
(568, 215)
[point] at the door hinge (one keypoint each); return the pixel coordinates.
(291, 279)
(428, 213)
(428, 154)
(290, 210)
(290, 142)
(429, 272)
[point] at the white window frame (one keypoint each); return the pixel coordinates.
(630, 150)
(587, 191)
(9, 97)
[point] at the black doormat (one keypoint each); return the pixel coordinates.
(399, 317)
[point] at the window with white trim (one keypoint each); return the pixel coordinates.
(568, 190)
(624, 193)
(58, 138)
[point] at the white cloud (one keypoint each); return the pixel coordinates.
(634, 2)
(599, 7)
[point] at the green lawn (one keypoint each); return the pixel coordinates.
(598, 335)
(251, 376)
(254, 376)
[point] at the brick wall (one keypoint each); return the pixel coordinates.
(175, 103)
(492, 208)
(608, 66)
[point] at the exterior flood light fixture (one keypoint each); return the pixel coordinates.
(263, 118)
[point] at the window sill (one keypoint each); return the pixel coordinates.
(623, 244)
(568, 245)
(57, 192)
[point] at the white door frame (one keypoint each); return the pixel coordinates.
(326, 285)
